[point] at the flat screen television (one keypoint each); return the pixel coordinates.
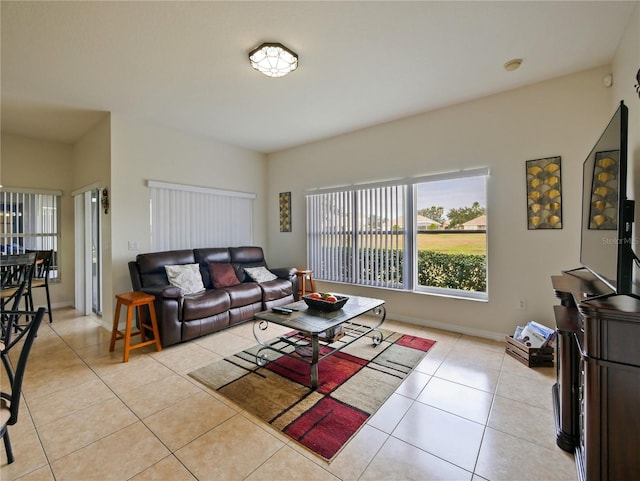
(607, 215)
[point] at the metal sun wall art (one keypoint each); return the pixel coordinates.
(544, 194)
(604, 191)
(285, 211)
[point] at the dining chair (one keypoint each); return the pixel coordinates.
(15, 272)
(10, 401)
(40, 278)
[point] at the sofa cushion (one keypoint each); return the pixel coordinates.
(206, 304)
(249, 255)
(246, 256)
(151, 265)
(185, 276)
(212, 254)
(260, 274)
(244, 294)
(275, 289)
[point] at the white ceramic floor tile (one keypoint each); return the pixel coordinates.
(441, 435)
(231, 451)
(119, 456)
(466, 373)
(354, 458)
(153, 397)
(524, 421)
(390, 413)
(398, 460)
(506, 458)
(176, 425)
(280, 464)
(528, 390)
(449, 437)
(413, 385)
(168, 468)
(81, 428)
(470, 403)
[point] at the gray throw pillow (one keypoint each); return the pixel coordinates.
(260, 274)
(185, 276)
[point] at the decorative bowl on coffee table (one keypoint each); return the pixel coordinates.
(325, 306)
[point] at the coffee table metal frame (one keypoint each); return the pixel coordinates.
(312, 323)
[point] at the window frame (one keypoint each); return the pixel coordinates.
(410, 242)
(40, 199)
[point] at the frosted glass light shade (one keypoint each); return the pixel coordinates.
(273, 60)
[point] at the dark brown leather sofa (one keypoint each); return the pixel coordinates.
(183, 317)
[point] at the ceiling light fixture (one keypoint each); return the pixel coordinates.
(273, 59)
(512, 65)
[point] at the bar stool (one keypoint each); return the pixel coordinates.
(131, 300)
(305, 275)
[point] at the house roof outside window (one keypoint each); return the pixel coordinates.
(479, 223)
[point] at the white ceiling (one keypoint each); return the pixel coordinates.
(185, 65)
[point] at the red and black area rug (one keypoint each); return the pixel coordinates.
(352, 385)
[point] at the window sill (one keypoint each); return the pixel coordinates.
(436, 292)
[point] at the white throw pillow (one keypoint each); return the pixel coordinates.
(185, 276)
(260, 274)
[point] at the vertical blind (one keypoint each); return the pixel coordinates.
(353, 235)
(187, 217)
(367, 235)
(30, 222)
(330, 235)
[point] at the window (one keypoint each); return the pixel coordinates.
(426, 234)
(187, 217)
(30, 220)
(451, 236)
(352, 238)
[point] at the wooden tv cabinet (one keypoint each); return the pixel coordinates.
(597, 394)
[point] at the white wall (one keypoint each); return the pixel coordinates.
(92, 156)
(559, 117)
(92, 167)
(562, 117)
(142, 151)
(41, 164)
(624, 68)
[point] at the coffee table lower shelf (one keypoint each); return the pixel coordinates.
(304, 343)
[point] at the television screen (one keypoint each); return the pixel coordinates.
(607, 215)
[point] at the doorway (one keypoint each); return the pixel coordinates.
(88, 252)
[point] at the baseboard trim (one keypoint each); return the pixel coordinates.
(494, 336)
(56, 305)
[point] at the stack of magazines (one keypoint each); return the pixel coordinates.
(535, 335)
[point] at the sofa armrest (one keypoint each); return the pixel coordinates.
(168, 306)
(285, 272)
(134, 273)
(167, 292)
(288, 273)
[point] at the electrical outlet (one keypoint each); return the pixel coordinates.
(133, 245)
(522, 304)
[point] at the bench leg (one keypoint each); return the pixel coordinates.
(114, 329)
(127, 334)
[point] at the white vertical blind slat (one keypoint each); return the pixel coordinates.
(29, 221)
(351, 236)
(183, 219)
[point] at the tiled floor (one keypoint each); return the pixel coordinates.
(468, 412)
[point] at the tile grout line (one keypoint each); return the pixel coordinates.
(459, 344)
(140, 419)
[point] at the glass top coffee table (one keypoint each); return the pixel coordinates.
(315, 326)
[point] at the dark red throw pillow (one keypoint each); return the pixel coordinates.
(222, 275)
